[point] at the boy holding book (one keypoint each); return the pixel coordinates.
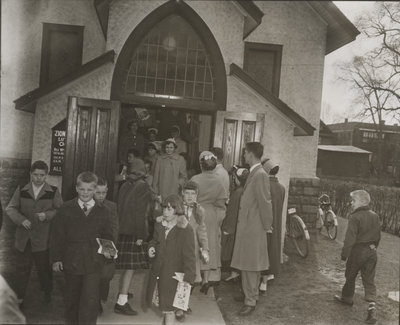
(74, 249)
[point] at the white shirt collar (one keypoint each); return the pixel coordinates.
(90, 204)
(254, 166)
(36, 189)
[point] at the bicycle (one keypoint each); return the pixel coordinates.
(327, 218)
(297, 231)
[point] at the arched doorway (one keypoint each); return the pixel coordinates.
(171, 63)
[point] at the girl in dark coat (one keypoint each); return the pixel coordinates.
(173, 250)
(228, 228)
(134, 200)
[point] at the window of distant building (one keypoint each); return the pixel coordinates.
(263, 63)
(62, 47)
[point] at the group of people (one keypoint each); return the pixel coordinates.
(164, 222)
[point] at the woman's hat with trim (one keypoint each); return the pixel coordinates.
(206, 155)
(171, 140)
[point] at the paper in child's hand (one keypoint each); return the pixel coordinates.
(179, 276)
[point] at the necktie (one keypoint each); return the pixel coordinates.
(85, 208)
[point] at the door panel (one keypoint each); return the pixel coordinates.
(92, 140)
(233, 130)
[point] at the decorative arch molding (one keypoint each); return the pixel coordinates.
(172, 7)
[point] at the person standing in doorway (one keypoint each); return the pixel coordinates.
(275, 238)
(132, 140)
(170, 171)
(250, 252)
(362, 238)
(109, 266)
(32, 208)
(134, 200)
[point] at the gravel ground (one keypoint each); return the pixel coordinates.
(303, 294)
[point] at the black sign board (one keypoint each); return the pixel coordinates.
(58, 141)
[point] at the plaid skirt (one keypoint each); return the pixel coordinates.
(131, 256)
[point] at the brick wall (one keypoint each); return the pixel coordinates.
(303, 194)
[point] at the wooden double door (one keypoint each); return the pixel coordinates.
(93, 131)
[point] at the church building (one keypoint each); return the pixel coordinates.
(75, 73)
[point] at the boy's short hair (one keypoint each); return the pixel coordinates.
(218, 152)
(87, 177)
(101, 181)
(256, 148)
(362, 195)
(176, 202)
(39, 164)
(191, 185)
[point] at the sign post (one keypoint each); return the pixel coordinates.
(58, 142)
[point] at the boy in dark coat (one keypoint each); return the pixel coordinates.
(173, 251)
(74, 249)
(109, 266)
(359, 249)
(32, 208)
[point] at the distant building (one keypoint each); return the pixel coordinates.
(343, 161)
(365, 136)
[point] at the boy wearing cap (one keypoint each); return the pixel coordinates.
(359, 249)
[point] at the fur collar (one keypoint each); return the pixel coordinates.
(181, 221)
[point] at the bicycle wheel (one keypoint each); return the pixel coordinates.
(299, 235)
(331, 225)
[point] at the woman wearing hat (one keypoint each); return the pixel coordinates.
(169, 171)
(212, 197)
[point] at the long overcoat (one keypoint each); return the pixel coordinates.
(169, 174)
(277, 197)
(173, 254)
(250, 252)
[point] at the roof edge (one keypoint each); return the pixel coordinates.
(296, 118)
(25, 102)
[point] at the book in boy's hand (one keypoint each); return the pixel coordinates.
(107, 246)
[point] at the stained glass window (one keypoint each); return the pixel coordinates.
(171, 62)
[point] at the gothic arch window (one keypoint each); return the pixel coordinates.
(171, 62)
(172, 59)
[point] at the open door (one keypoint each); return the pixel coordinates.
(92, 141)
(233, 130)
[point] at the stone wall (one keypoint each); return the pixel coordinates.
(303, 195)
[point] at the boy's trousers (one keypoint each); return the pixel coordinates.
(107, 274)
(82, 298)
(362, 258)
(24, 266)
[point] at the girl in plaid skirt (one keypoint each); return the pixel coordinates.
(134, 200)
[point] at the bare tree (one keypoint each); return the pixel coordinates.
(375, 76)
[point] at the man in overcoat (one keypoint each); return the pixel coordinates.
(250, 253)
(32, 208)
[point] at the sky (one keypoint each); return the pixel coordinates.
(337, 99)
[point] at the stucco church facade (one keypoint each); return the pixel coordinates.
(244, 70)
